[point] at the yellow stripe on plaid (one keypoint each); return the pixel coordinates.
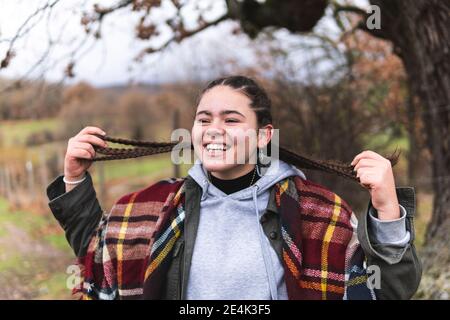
(284, 186)
(281, 189)
(155, 263)
(318, 286)
(177, 197)
(121, 237)
(357, 281)
(326, 244)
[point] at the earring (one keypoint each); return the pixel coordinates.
(260, 158)
(258, 171)
(260, 155)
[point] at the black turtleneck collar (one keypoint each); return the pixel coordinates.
(234, 185)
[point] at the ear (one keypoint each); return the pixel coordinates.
(264, 135)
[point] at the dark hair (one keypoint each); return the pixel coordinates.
(261, 104)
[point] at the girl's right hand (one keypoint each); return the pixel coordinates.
(80, 152)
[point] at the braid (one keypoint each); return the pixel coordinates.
(144, 148)
(330, 166)
(137, 143)
(141, 149)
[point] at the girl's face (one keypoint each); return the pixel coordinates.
(225, 132)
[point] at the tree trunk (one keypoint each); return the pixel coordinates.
(420, 31)
(413, 158)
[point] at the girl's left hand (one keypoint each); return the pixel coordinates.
(375, 174)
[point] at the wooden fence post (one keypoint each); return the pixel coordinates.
(176, 125)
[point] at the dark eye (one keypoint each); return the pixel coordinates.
(203, 120)
(231, 120)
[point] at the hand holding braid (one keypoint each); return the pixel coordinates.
(375, 174)
(143, 148)
(80, 152)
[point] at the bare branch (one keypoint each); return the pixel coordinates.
(180, 35)
(21, 32)
(104, 11)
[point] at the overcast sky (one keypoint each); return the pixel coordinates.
(110, 60)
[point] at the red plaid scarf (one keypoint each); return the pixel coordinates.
(129, 255)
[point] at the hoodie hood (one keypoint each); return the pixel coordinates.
(278, 170)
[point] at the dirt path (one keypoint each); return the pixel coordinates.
(29, 268)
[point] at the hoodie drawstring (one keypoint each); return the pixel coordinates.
(204, 190)
(265, 250)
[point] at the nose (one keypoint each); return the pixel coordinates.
(214, 130)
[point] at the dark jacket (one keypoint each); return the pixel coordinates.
(79, 213)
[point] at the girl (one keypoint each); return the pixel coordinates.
(231, 230)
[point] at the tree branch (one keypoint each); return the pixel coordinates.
(20, 33)
(183, 34)
(104, 11)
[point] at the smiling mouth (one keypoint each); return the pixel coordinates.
(216, 147)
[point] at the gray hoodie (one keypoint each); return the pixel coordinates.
(232, 258)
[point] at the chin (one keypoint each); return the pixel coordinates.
(217, 166)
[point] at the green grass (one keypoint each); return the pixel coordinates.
(36, 275)
(375, 142)
(16, 132)
(423, 216)
(136, 168)
(53, 287)
(159, 166)
(13, 261)
(58, 241)
(29, 222)
(4, 207)
(35, 225)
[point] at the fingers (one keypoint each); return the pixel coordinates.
(366, 163)
(82, 145)
(366, 177)
(82, 150)
(81, 154)
(365, 171)
(89, 135)
(367, 155)
(93, 140)
(92, 130)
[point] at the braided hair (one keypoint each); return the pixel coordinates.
(260, 103)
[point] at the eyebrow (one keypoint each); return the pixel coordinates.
(224, 112)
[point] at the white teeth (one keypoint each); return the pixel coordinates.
(215, 146)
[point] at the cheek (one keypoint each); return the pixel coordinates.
(197, 133)
(243, 137)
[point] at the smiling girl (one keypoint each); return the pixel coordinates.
(231, 230)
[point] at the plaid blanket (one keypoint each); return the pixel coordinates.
(129, 255)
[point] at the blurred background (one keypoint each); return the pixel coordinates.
(343, 76)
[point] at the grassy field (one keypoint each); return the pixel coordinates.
(15, 133)
(34, 256)
(138, 168)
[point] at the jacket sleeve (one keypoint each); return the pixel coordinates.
(397, 261)
(77, 211)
